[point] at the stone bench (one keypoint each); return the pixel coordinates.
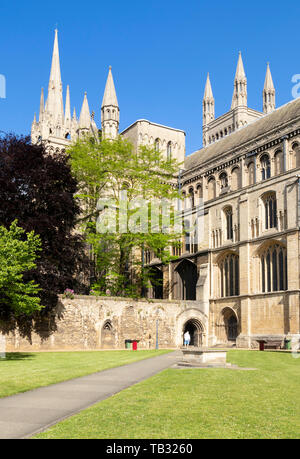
(269, 344)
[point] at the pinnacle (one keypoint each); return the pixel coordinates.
(240, 71)
(110, 96)
(208, 94)
(268, 80)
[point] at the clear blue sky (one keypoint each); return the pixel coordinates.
(160, 52)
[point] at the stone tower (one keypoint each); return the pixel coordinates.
(269, 104)
(110, 112)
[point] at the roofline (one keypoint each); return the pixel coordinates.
(154, 124)
(264, 115)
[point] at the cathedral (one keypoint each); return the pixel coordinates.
(239, 280)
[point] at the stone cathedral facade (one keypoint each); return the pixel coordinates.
(239, 280)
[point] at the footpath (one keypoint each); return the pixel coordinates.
(23, 415)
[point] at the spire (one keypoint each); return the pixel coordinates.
(110, 112)
(208, 94)
(42, 105)
(269, 92)
(54, 104)
(110, 96)
(208, 103)
(239, 98)
(74, 115)
(240, 71)
(68, 108)
(55, 67)
(85, 117)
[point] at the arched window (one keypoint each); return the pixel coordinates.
(223, 180)
(229, 275)
(107, 325)
(265, 167)
(228, 220)
(169, 151)
(270, 208)
(278, 157)
(200, 194)
(274, 269)
(251, 177)
(192, 198)
(156, 144)
(211, 188)
(295, 158)
(235, 178)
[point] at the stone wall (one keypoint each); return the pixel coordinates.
(87, 322)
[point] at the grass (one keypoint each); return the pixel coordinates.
(21, 372)
(197, 403)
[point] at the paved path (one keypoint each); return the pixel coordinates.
(23, 415)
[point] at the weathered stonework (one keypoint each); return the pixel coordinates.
(87, 322)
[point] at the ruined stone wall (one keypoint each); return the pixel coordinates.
(87, 322)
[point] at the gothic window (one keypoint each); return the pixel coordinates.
(229, 226)
(211, 188)
(251, 173)
(270, 208)
(278, 157)
(199, 193)
(169, 151)
(107, 326)
(235, 178)
(265, 167)
(192, 198)
(156, 144)
(223, 180)
(229, 275)
(274, 269)
(295, 155)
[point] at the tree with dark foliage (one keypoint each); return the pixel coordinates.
(37, 189)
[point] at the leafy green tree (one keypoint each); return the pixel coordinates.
(18, 256)
(110, 170)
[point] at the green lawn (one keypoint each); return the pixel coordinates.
(21, 372)
(197, 403)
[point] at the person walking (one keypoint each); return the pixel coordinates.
(187, 339)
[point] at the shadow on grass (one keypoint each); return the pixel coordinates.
(17, 356)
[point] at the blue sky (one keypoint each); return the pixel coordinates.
(160, 52)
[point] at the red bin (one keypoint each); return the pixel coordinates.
(134, 345)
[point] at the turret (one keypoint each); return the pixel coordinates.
(110, 112)
(239, 98)
(269, 103)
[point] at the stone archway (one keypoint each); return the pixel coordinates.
(195, 328)
(187, 277)
(107, 336)
(229, 325)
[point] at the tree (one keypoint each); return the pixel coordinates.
(37, 189)
(18, 256)
(110, 171)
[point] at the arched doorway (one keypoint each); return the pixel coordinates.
(230, 324)
(156, 279)
(187, 277)
(195, 329)
(107, 336)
